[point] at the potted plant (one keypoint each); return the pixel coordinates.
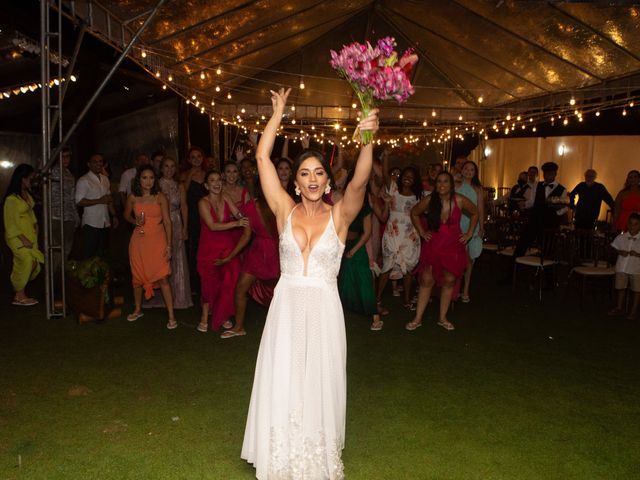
(89, 290)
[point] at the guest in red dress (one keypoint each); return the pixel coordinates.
(261, 264)
(218, 264)
(627, 201)
(443, 257)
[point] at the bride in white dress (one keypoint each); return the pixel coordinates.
(296, 422)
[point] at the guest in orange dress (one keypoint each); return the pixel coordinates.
(150, 246)
(218, 249)
(627, 201)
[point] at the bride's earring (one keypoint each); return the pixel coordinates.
(297, 191)
(327, 189)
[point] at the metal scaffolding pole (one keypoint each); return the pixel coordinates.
(98, 91)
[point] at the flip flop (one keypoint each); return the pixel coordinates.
(226, 325)
(202, 328)
(25, 302)
(232, 333)
(172, 325)
(447, 326)
(132, 317)
(376, 326)
(411, 326)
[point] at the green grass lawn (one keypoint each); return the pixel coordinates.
(517, 391)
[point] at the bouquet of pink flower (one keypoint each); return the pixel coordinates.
(375, 73)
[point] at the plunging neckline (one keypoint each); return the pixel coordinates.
(305, 262)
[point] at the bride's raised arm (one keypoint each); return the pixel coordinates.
(277, 198)
(354, 194)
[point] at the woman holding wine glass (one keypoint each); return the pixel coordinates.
(150, 246)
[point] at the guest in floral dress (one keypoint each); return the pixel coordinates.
(400, 241)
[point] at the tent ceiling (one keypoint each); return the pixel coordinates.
(511, 53)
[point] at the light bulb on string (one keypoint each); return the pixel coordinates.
(217, 88)
(229, 95)
(242, 110)
(158, 74)
(631, 104)
(424, 124)
(624, 112)
(164, 87)
(353, 105)
(572, 101)
(565, 121)
(202, 76)
(480, 99)
(218, 71)
(460, 118)
(518, 118)
(534, 129)
(170, 78)
(143, 54)
(213, 103)
(433, 113)
(401, 116)
(193, 97)
(597, 113)
(301, 86)
(508, 117)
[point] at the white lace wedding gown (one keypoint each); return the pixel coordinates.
(296, 422)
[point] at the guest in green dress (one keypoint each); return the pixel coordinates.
(355, 281)
(21, 233)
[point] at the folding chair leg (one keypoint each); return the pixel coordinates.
(540, 282)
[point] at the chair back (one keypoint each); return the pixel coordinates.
(590, 248)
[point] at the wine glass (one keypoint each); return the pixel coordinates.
(140, 219)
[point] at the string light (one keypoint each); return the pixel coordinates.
(572, 101)
(597, 113)
(158, 74)
(213, 103)
(229, 95)
(401, 116)
(217, 88)
(143, 54)
(433, 113)
(301, 84)
(480, 99)
(624, 112)
(202, 76)
(218, 71)
(170, 78)
(353, 105)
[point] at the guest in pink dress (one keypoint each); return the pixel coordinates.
(261, 263)
(218, 264)
(443, 256)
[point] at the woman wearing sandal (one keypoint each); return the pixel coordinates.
(150, 246)
(443, 256)
(355, 280)
(218, 249)
(21, 233)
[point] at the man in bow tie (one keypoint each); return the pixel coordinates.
(550, 204)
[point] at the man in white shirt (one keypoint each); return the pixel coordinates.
(627, 245)
(93, 193)
(126, 179)
(532, 182)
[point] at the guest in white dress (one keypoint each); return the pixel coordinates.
(296, 422)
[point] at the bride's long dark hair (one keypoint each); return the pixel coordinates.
(434, 210)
